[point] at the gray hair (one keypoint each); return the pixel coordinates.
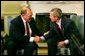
(57, 12)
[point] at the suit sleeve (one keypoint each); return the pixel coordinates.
(16, 34)
(51, 33)
(47, 36)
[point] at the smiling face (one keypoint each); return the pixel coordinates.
(52, 17)
(55, 14)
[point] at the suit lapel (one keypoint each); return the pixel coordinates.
(21, 24)
(53, 26)
(62, 24)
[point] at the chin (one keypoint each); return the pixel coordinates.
(52, 21)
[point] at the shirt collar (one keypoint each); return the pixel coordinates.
(23, 19)
(59, 21)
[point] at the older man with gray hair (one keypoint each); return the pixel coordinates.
(22, 33)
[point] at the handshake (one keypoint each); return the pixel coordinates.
(37, 39)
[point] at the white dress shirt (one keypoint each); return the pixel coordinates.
(30, 31)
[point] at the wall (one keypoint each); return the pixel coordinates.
(66, 6)
(11, 7)
(9, 10)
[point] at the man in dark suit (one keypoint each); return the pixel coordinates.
(60, 32)
(22, 33)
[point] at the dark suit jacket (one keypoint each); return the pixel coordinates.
(68, 27)
(17, 30)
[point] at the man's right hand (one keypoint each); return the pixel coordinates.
(37, 39)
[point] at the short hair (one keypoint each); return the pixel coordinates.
(24, 10)
(57, 12)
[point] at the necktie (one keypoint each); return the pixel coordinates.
(58, 28)
(27, 29)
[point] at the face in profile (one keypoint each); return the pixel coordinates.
(53, 18)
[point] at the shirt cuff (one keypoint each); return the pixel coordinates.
(31, 39)
(46, 32)
(66, 41)
(42, 37)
